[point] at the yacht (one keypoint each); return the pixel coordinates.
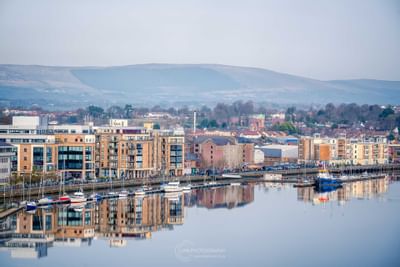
(64, 198)
(172, 187)
(187, 188)
(45, 200)
(123, 194)
(139, 193)
(95, 197)
(30, 207)
(78, 197)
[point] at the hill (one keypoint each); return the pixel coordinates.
(175, 84)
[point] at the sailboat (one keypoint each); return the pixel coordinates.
(43, 200)
(124, 193)
(111, 193)
(64, 197)
(95, 196)
(30, 205)
(78, 197)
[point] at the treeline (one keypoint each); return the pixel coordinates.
(348, 115)
(237, 113)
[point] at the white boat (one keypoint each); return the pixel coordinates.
(112, 194)
(236, 184)
(187, 188)
(78, 197)
(45, 200)
(123, 194)
(272, 176)
(231, 175)
(172, 187)
(139, 193)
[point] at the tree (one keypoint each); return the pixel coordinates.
(128, 111)
(95, 111)
(204, 123)
(386, 112)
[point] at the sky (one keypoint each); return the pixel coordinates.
(341, 39)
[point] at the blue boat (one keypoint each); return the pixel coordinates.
(324, 178)
(96, 197)
(30, 207)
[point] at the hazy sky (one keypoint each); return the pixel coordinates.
(334, 39)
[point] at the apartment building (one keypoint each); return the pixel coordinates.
(6, 154)
(86, 152)
(361, 151)
(218, 152)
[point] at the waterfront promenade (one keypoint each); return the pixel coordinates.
(291, 176)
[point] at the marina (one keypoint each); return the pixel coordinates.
(110, 226)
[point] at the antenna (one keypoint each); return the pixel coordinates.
(194, 122)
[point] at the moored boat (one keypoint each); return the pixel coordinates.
(78, 197)
(45, 200)
(139, 193)
(324, 178)
(231, 175)
(172, 187)
(95, 197)
(123, 194)
(30, 207)
(64, 198)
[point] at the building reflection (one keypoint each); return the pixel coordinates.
(359, 190)
(116, 221)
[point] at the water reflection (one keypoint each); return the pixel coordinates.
(359, 190)
(28, 235)
(119, 221)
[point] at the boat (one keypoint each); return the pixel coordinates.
(64, 198)
(187, 188)
(30, 207)
(123, 194)
(236, 184)
(228, 175)
(96, 197)
(139, 193)
(45, 200)
(272, 176)
(172, 187)
(78, 197)
(112, 194)
(324, 178)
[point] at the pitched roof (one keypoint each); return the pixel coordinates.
(218, 140)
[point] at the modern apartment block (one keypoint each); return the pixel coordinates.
(134, 152)
(363, 151)
(6, 154)
(87, 152)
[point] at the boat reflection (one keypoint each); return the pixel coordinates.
(344, 193)
(117, 221)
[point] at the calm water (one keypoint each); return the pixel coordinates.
(247, 225)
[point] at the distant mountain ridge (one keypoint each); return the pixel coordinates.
(150, 84)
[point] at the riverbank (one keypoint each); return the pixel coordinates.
(288, 176)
